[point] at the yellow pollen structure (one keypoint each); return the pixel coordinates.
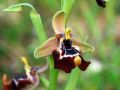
(77, 60)
(25, 61)
(67, 34)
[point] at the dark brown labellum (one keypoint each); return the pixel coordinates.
(101, 3)
(21, 84)
(68, 57)
(18, 83)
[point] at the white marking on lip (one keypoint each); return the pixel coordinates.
(61, 57)
(16, 82)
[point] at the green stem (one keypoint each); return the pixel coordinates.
(42, 37)
(53, 79)
(66, 6)
(53, 75)
(73, 79)
(37, 23)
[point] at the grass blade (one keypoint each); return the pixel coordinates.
(18, 7)
(44, 81)
(73, 79)
(66, 6)
(53, 75)
(36, 20)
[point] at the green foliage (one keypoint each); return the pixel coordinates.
(73, 79)
(45, 81)
(18, 7)
(38, 26)
(100, 25)
(66, 5)
(35, 17)
(36, 20)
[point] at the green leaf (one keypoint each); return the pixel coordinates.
(53, 79)
(18, 7)
(53, 75)
(66, 6)
(36, 20)
(44, 81)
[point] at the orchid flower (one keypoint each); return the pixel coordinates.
(28, 81)
(65, 49)
(102, 3)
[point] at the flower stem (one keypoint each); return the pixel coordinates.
(53, 75)
(42, 37)
(73, 79)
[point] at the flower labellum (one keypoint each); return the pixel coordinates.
(28, 81)
(101, 3)
(67, 57)
(65, 49)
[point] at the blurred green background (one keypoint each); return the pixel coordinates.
(87, 19)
